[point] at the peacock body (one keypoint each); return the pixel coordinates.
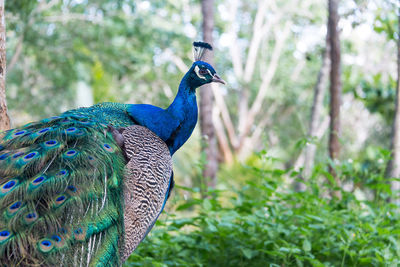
(84, 188)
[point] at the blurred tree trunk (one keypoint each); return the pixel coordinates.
(393, 168)
(4, 119)
(307, 156)
(335, 87)
(316, 110)
(210, 147)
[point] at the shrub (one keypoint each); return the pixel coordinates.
(264, 223)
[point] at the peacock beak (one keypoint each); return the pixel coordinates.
(217, 79)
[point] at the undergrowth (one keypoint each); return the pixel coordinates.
(263, 222)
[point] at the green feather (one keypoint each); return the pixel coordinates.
(60, 191)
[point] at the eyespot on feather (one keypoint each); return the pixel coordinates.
(64, 231)
(14, 208)
(19, 133)
(17, 155)
(91, 159)
(45, 245)
(71, 189)
(51, 143)
(30, 217)
(80, 133)
(44, 130)
(4, 235)
(59, 200)
(4, 156)
(86, 122)
(56, 238)
(40, 132)
(28, 157)
(70, 154)
(62, 173)
(8, 186)
(79, 234)
(108, 148)
(37, 181)
(66, 120)
(59, 241)
(16, 205)
(71, 130)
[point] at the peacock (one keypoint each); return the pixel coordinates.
(85, 188)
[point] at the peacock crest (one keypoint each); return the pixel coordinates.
(199, 49)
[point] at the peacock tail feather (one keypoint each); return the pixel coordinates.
(60, 193)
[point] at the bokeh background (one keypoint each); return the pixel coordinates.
(271, 203)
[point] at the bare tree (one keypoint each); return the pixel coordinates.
(316, 110)
(393, 168)
(4, 119)
(316, 127)
(242, 137)
(210, 147)
(335, 85)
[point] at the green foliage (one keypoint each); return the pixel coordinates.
(378, 97)
(113, 46)
(377, 91)
(265, 223)
(386, 22)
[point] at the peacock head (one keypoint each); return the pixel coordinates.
(201, 72)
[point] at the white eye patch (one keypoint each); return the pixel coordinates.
(200, 75)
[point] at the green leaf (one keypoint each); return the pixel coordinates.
(188, 204)
(247, 253)
(306, 245)
(207, 204)
(286, 250)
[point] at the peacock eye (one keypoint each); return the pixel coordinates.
(203, 71)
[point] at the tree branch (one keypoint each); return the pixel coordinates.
(258, 34)
(263, 123)
(17, 53)
(222, 138)
(281, 37)
(233, 47)
(226, 118)
(72, 17)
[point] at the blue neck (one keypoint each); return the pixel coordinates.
(185, 96)
(175, 124)
(184, 109)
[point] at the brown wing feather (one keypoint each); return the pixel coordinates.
(146, 183)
